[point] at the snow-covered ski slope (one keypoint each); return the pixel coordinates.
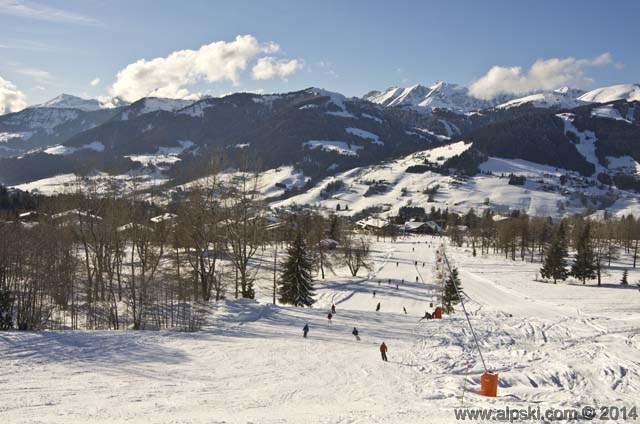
(562, 346)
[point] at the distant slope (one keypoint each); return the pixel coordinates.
(628, 92)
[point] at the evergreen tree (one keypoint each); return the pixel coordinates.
(555, 260)
(584, 266)
(296, 284)
(450, 296)
(624, 280)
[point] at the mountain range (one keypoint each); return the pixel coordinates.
(321, 134)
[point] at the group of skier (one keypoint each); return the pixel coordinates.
(383, 347)
(354, 332)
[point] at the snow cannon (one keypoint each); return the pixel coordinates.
(437, 314)
(489, 384)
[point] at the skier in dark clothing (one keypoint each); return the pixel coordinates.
(396, 287)
(427, 315)
(416, 278)
(383, 351)
(378, 307)
(333, 308)
(305, 330)
(397, 263)
(329, 316)
(405, 310)
(374, 293)
(355, 333)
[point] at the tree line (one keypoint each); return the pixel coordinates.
(106, 260)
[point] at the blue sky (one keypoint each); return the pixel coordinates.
(56, 46)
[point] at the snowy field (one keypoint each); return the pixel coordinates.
(561, 346)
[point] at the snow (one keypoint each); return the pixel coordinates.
(628, 92)
(164, 155)
(554, 346)
(340, 147)
(67, 101)
(44, 119)
(608, 112)
(519, 167)
(309, 106)
(557, 99)
(266, 184)
(196, 110)
(154, 104)
(59, 149)
(543, 194)
(340, 114)
(431, 133)
(440, 154)
(374, 118)
(6, 137)
(440, 95)
(451, 129)
(267, 99)
(242, 145)
(587, 141)
(623, 164)
(365, 134)
(101, 182)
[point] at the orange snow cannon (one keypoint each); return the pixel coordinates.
(437, 314)
(489, 384)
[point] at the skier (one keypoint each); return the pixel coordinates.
(329, 316)
(389, 281)
(397, 263)
(305, 330)
(374, 293)
(405, 310)
(396, 287)
(378, 307)
(333, 308)
(383, 351)
(427, 315)
(355, 333)
(416, 278)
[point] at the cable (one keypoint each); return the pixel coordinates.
(446, 260)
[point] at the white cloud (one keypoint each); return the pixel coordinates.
(11, 99)
(544, 74)
(28, 9)
(95, 82)
(38, 75)
(171, 75)
(270, 67)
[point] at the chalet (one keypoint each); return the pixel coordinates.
(419, 227)
(371, 223)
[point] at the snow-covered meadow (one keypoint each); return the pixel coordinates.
(564, 345)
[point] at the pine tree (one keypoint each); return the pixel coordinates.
(584, 266)
(296, 284)
(450, 296)
(624, 280)
(555, 261)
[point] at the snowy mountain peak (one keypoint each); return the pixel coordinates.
(440, 95)
(562, 98)
(68, 101)
(628, 92)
